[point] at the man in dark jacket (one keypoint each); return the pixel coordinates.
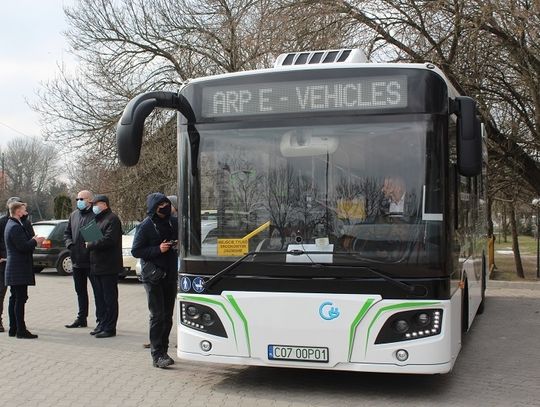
(19, 273)
(155, 243)
(80, 257)
(3, 253)
(106, 265)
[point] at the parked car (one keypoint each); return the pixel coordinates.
(128, 260)
(52, 252)
(209, 237)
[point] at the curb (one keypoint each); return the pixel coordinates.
(523, 285)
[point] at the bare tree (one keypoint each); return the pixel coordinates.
(31, 169)
(127, 47)
(488, 49)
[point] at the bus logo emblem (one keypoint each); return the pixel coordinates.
(327, 311)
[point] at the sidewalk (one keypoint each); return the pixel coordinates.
(499, 364)
(524, 285)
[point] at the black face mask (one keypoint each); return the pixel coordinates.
(166, 210)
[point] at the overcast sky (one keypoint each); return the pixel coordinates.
(31, 47)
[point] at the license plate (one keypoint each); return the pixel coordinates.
(297, 353)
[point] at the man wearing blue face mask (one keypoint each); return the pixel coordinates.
(80, 257)
(105, 266)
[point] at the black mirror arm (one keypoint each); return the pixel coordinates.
(129, 132)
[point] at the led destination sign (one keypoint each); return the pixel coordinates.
(305, 96)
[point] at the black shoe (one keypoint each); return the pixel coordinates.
(169, 359)
(12, 332)
(96, 330)
(162, 362)
(78, 323)
(105, 334)
(26, 335)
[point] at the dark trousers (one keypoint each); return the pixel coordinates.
(17, 301)
(81, 275)
(3, 288)
(161, 298)
(106, 297)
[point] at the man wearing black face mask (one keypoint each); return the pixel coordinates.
(3, 252)
(155, 243)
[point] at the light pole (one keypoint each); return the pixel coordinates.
(536, 202)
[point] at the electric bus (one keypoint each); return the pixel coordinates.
(348, 214)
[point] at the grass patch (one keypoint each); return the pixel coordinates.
(505, 267)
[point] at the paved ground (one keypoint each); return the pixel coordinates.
(499, 365)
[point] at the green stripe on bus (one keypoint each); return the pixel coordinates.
(214, 302)
(244, 320)
(356, 321)
(403, 305)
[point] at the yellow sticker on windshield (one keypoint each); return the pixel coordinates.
(232, 247)
(351, 209)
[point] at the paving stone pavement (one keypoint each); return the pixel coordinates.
(498, 366)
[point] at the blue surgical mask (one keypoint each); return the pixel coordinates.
(81, 205)
(96, 209)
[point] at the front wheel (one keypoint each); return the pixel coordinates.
(64, 266)
(465, 309)
(482, 305)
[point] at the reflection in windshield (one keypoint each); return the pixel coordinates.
(354, 188)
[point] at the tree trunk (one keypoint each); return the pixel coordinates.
(504, 225)
(515, 243)
(489, 216)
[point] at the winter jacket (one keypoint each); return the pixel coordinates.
(80, 256)
(151, 232)
(3, 222)
(19, 246)
(106, 253)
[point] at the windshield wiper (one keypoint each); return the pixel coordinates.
(412, 289)
(216, 277)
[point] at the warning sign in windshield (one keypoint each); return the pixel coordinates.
(238, 247)
(232, 247)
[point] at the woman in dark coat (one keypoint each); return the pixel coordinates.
(155, 242)
(19, 273)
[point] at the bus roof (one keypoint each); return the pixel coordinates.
(331, 66)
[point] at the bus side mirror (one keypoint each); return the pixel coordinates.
(129, 133)
(469, 138)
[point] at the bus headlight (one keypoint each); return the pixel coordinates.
(409, 325)
(201, 318)
(401, 326)
(192, 311)
(207, 319)
(423, 319)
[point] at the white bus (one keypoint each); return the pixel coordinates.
(348, 214)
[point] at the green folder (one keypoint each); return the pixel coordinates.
(91, 232)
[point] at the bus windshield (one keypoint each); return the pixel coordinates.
(336, 192)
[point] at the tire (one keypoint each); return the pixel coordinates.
(482, 305)
(465, 309)
(37, 269)
(64, 266)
